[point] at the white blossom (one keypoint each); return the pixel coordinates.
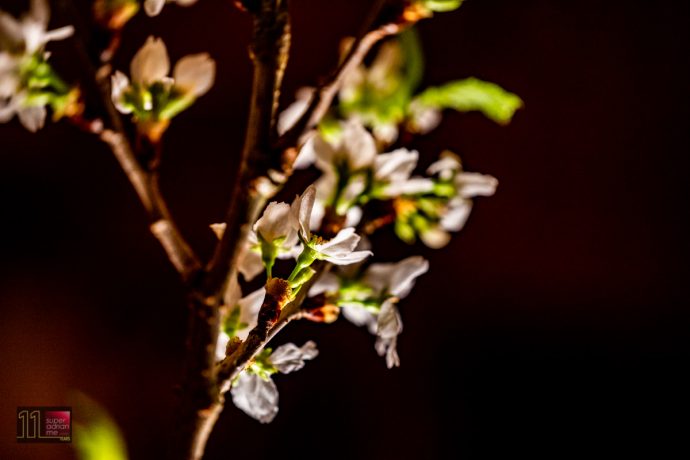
(29, 34)
(256, 395)
(193, 74)
(20, 39)
(340, 250)
(394, 170)
(249, 262)
(467, 186)
(391, 281)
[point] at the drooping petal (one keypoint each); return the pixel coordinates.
(195, 73)
(256, 397)
(289, 357)
(150, 63)
(388, 348)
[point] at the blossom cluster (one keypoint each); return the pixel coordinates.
(367, 178)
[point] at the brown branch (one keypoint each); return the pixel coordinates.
(321, 100)
(235, 363)
(161, 225)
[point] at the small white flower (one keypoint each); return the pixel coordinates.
(467, 185)
(393, 281)
(192, 77)
(29, 34)
(355, 150)
(394, 170)
(340, 250)
(257, 396)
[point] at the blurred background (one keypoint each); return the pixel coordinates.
(553, 325)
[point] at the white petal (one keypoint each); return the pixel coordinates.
(324, 153)
(119, 83)
(396, 165)
(289, 357)
(195, 73)
(475, 184)
(327, 283)
(294, 111)
(33, 118)
(306, 156)
(351, 258)
(357, 146)
(300, 212)
(222, 345)
(423, 118)
(404, 274)
(456, 216)
(10, 29)
(256, 397)
(343, 242)
(388, 347)
(360, 317)
(445, 166)
(58, 34)
(150, 63)
(250, 264)
(249, 311)
(40, 11)
(153, 7)
(353, 217)
(274, 222)
(413, 186)
(8, 109)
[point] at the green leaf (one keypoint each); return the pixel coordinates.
(96, 435)
(442, 6)
(473, 94)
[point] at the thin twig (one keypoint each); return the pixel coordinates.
(162, 225)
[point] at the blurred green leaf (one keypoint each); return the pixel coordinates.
(442, 6)
(96, 435)
(473, 94)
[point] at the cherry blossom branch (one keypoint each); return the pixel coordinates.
(162, 226)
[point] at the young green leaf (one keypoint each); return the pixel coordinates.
(472, 94)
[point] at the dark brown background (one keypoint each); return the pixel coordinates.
(553, 325)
